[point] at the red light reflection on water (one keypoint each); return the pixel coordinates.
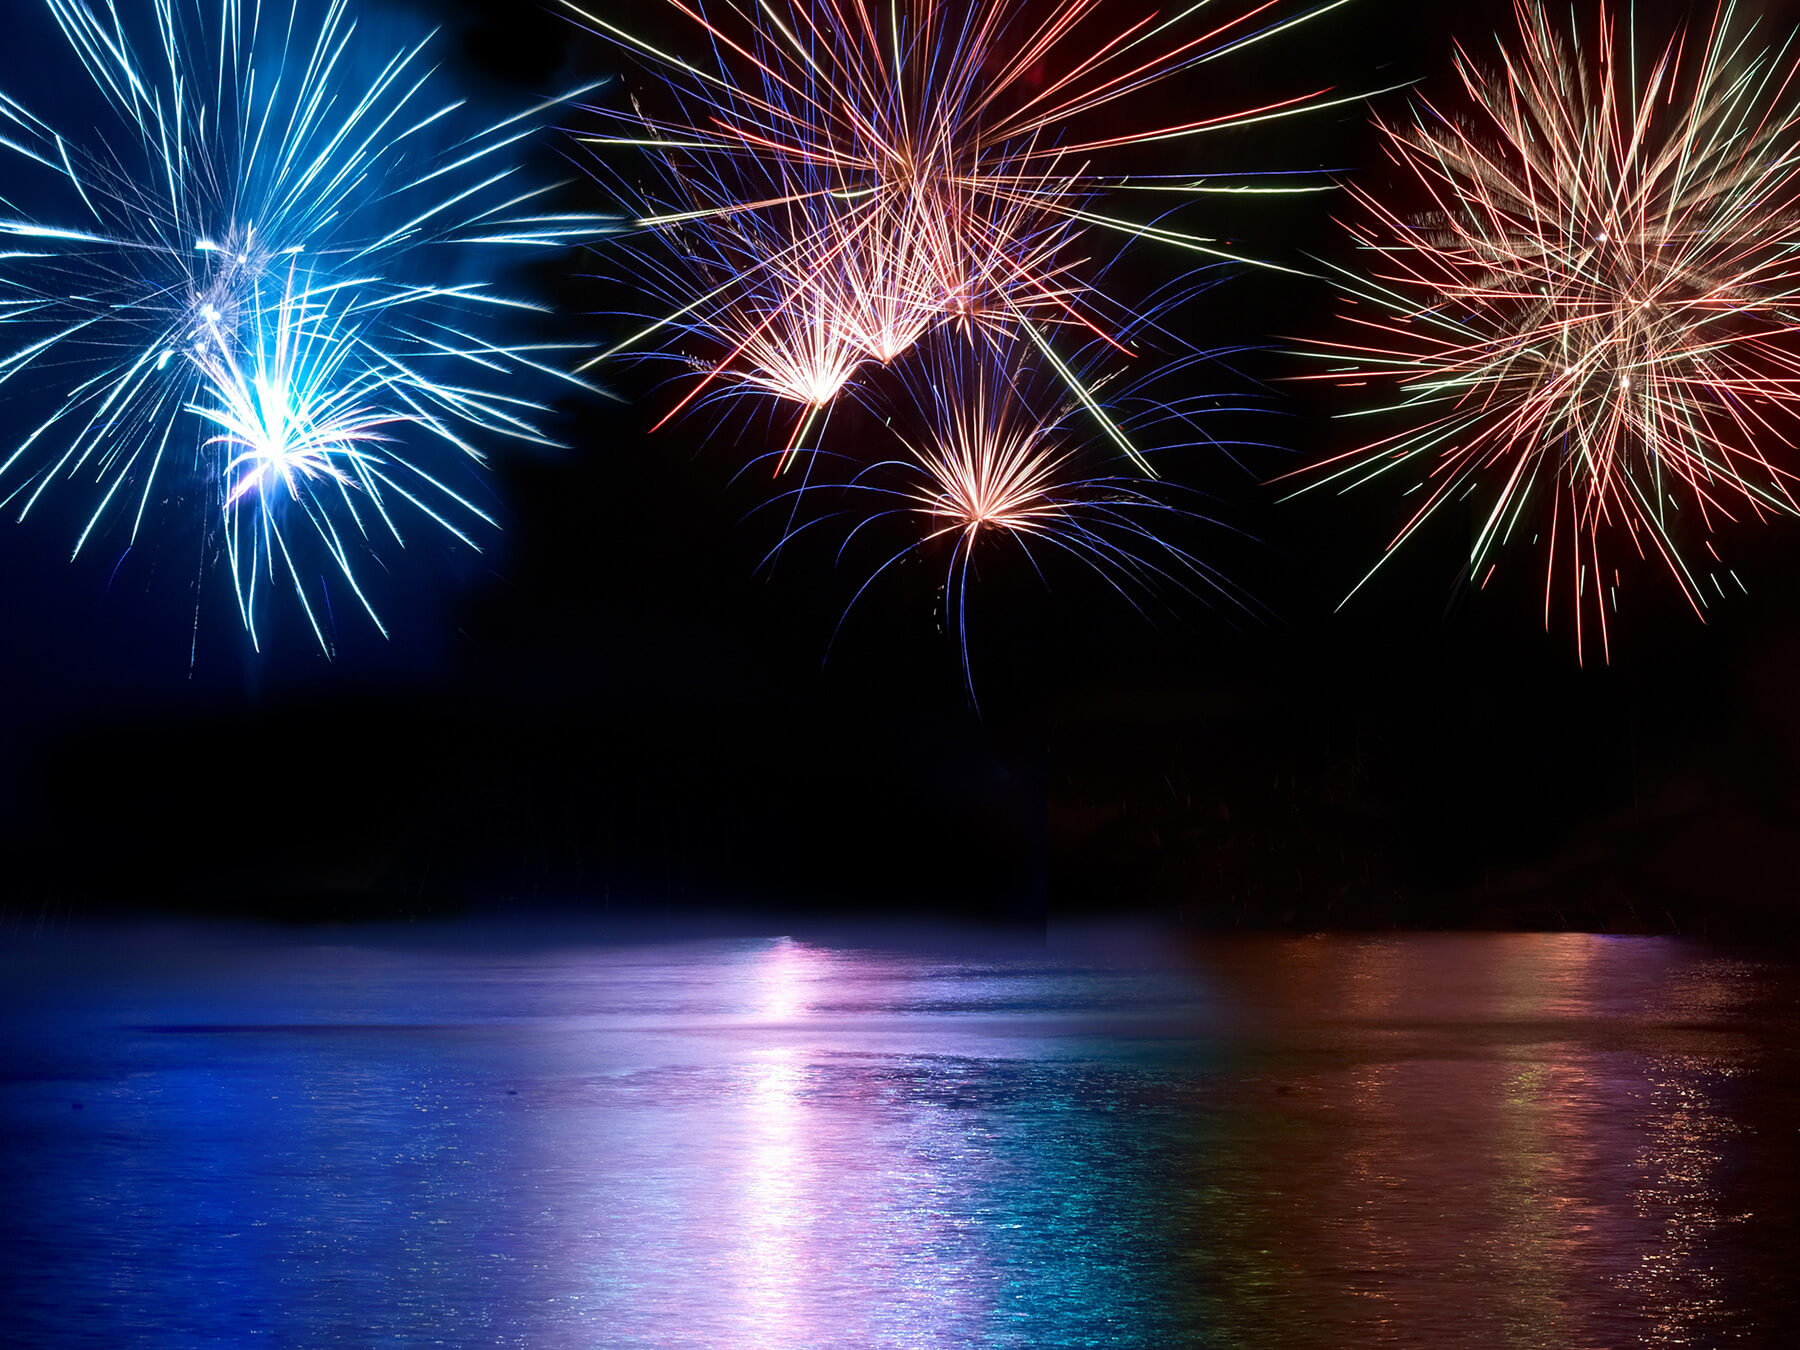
(1485, 1141)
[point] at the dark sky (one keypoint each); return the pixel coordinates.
(613, 705)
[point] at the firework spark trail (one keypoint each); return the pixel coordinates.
(251, 137)
(909, 165)
(1599, 306)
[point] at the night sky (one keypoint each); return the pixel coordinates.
(617, 706)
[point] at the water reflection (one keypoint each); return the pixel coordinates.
(776, 1194)
(1422, 1141)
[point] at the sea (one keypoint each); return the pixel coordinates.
(559, 1137)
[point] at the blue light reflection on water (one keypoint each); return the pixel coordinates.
(1116, 1140)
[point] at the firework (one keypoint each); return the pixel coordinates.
(1589, 332)
(901, 167)
(797, 296)
(309, 434)
(991, 457)
(270, 182)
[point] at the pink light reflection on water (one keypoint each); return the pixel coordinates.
(777, 1198)
(806, 1199)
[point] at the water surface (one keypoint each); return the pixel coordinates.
(465, 1139)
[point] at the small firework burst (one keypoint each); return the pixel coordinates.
(308, 434)
(993, 456)
(1589, 331)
